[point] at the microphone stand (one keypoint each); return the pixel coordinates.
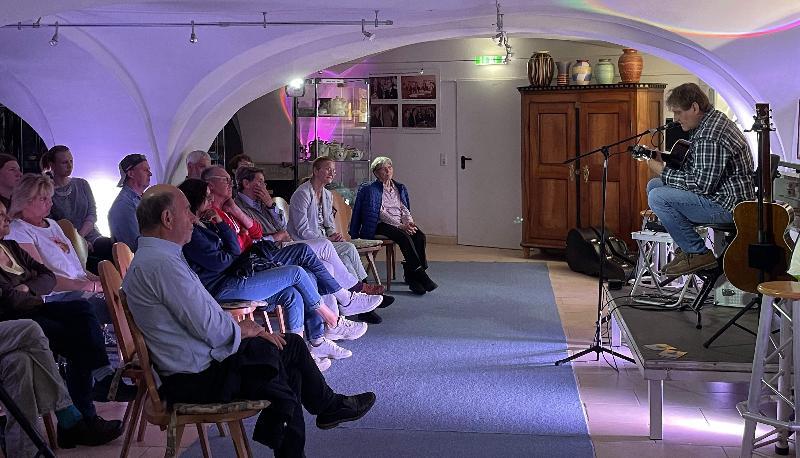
(597, 345)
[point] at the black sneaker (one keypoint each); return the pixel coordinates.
(125, 392)
(351, 408)
(426, 281)
(369, 317)
(92, 431)
(387, 301)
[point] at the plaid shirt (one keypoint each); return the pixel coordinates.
(719, 165)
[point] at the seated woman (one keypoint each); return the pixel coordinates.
(213, 253)
(71, 327)
(73, 200)
(382, 208)
(10, 174)
(45, 242)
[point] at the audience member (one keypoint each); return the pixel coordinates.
(71, 326)
(10, 174)
(73, 200)
(43, 239)
(203, 355)
(214, 253)
(28, 372)
(240, 160)
(383, 208)
(311, 217)
(135, 176)
(196, 162)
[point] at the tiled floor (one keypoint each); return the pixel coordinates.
(699, 418)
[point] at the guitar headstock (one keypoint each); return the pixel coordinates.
(762, 121)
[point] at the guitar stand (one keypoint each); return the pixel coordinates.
(733, 321)
(709, 277)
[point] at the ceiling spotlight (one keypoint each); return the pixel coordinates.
(367, 35)
(193, 36)
(54, 40)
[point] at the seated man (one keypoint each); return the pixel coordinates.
(196, 162)
(716, 175)
(203, 355)
(28, 372)
(135, 176)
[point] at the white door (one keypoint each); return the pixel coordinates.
(488, 144)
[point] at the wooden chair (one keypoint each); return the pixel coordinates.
(366, 248)
(123, 256)
(111, 281)
(174, 419)
(78, 242)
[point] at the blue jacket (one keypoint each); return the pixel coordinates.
(367, 209)
(211, 252)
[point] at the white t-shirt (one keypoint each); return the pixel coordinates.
(54, 247)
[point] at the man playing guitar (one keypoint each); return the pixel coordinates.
(716, 175)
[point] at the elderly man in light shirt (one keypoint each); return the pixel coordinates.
(203, 355)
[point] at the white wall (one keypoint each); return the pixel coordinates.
(433, 187)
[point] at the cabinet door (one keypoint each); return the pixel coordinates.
(548, 188)
(603, 123)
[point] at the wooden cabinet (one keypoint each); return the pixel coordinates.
(561, 122)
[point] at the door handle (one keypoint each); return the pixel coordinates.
(464, 160)
(571, 172)
(585, 170)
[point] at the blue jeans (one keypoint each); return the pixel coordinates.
(289, 286)
(680, 211)
(302, 255)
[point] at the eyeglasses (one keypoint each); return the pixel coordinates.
(225, 179)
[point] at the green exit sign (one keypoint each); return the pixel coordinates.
(489, 60)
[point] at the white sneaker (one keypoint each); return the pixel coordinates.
(360, 303)
(328, 349)
(346, 330)
(322, 363)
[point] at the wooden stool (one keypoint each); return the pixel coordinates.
(780, 301)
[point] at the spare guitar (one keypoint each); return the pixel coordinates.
(674, 158)
(761, 249)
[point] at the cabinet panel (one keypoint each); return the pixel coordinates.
(550, 219)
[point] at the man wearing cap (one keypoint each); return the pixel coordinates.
(134, 172)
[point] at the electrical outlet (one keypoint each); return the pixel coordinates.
(442, 158)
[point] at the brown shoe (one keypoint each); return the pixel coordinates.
(372, 289)
(691, 263)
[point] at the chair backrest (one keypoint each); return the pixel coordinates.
(123, 256)
(111, 281)
(144, 357)
(341, 215)
(281, 203)
(78, 242)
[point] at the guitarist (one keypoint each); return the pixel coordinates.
(716, 175)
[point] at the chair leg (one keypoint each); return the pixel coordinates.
(372, 268)
(265, 316)
(203, 438)
(221, 429)
(142, 427)
(50, 429)
(246, 439)
(392, 255)
(281, 321)
(238, 438)
(136, 416)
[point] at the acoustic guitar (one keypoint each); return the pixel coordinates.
(674, 158)
(762, 248)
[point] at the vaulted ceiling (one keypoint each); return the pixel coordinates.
(111, 91)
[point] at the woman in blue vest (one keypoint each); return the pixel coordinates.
(382, 208)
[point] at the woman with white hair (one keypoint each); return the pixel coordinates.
(383, 208)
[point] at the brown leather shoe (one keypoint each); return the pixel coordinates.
(691, 263)
(372, 289)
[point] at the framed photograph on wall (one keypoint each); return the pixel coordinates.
(419, 115)
(383, 88)
(418, 87)
(383, 115)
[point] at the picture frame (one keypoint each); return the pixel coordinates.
(383, 116)
(383, 87)
(418, 87)
(419, 116)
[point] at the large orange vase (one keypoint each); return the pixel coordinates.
(630, 66)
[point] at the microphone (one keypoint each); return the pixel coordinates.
(666, 126)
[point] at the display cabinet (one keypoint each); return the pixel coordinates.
(331, 119)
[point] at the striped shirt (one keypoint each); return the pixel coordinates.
(719, 164)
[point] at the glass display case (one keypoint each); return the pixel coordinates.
(332, 119)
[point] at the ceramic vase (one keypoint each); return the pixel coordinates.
(630, 66)
(604, 72)
(581, 72)
(540, 69)
(563, 73)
